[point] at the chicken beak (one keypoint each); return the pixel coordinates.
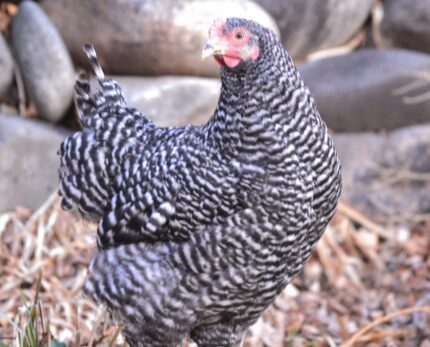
(211, 49)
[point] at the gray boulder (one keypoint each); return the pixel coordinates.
(172, 101)
(154, 37)
(307, 26)
(371, 89)
(44, 60)
(387, 175)
(6, 66)
(406, 24)
(28, 165)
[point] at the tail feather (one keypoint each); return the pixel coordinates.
(92, 57)
(91, 102)
(85, 102)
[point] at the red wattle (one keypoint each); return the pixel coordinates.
(231, 62)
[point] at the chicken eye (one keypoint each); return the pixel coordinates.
(239, 35)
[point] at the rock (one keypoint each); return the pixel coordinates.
(158, 37)
(310, 25)
(387, 175)
(406, 24)
(28, 169)
(6, 66)
(45, 63)
(172, 101)
(370, 89)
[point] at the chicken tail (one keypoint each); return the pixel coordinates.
(90, 102)
(92, 161)
(84, 175)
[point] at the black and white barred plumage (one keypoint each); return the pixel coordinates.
(201, 227)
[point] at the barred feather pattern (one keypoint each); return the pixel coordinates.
(201, 227)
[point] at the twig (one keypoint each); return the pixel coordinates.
(358, 217)
(382, 320)
(410, 87)
(112, 342)
(409, 217)
(38, 283)
(42, 320)
(377, 17)
(384, 334)
(93, 332)
(397, 175)
(417, 99)
(349, 46)
(422, 78)
(42, 209)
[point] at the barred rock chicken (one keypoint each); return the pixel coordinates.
(201, 227)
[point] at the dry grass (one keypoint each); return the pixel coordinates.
(365, 286)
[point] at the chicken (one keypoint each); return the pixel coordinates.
(201, 227)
